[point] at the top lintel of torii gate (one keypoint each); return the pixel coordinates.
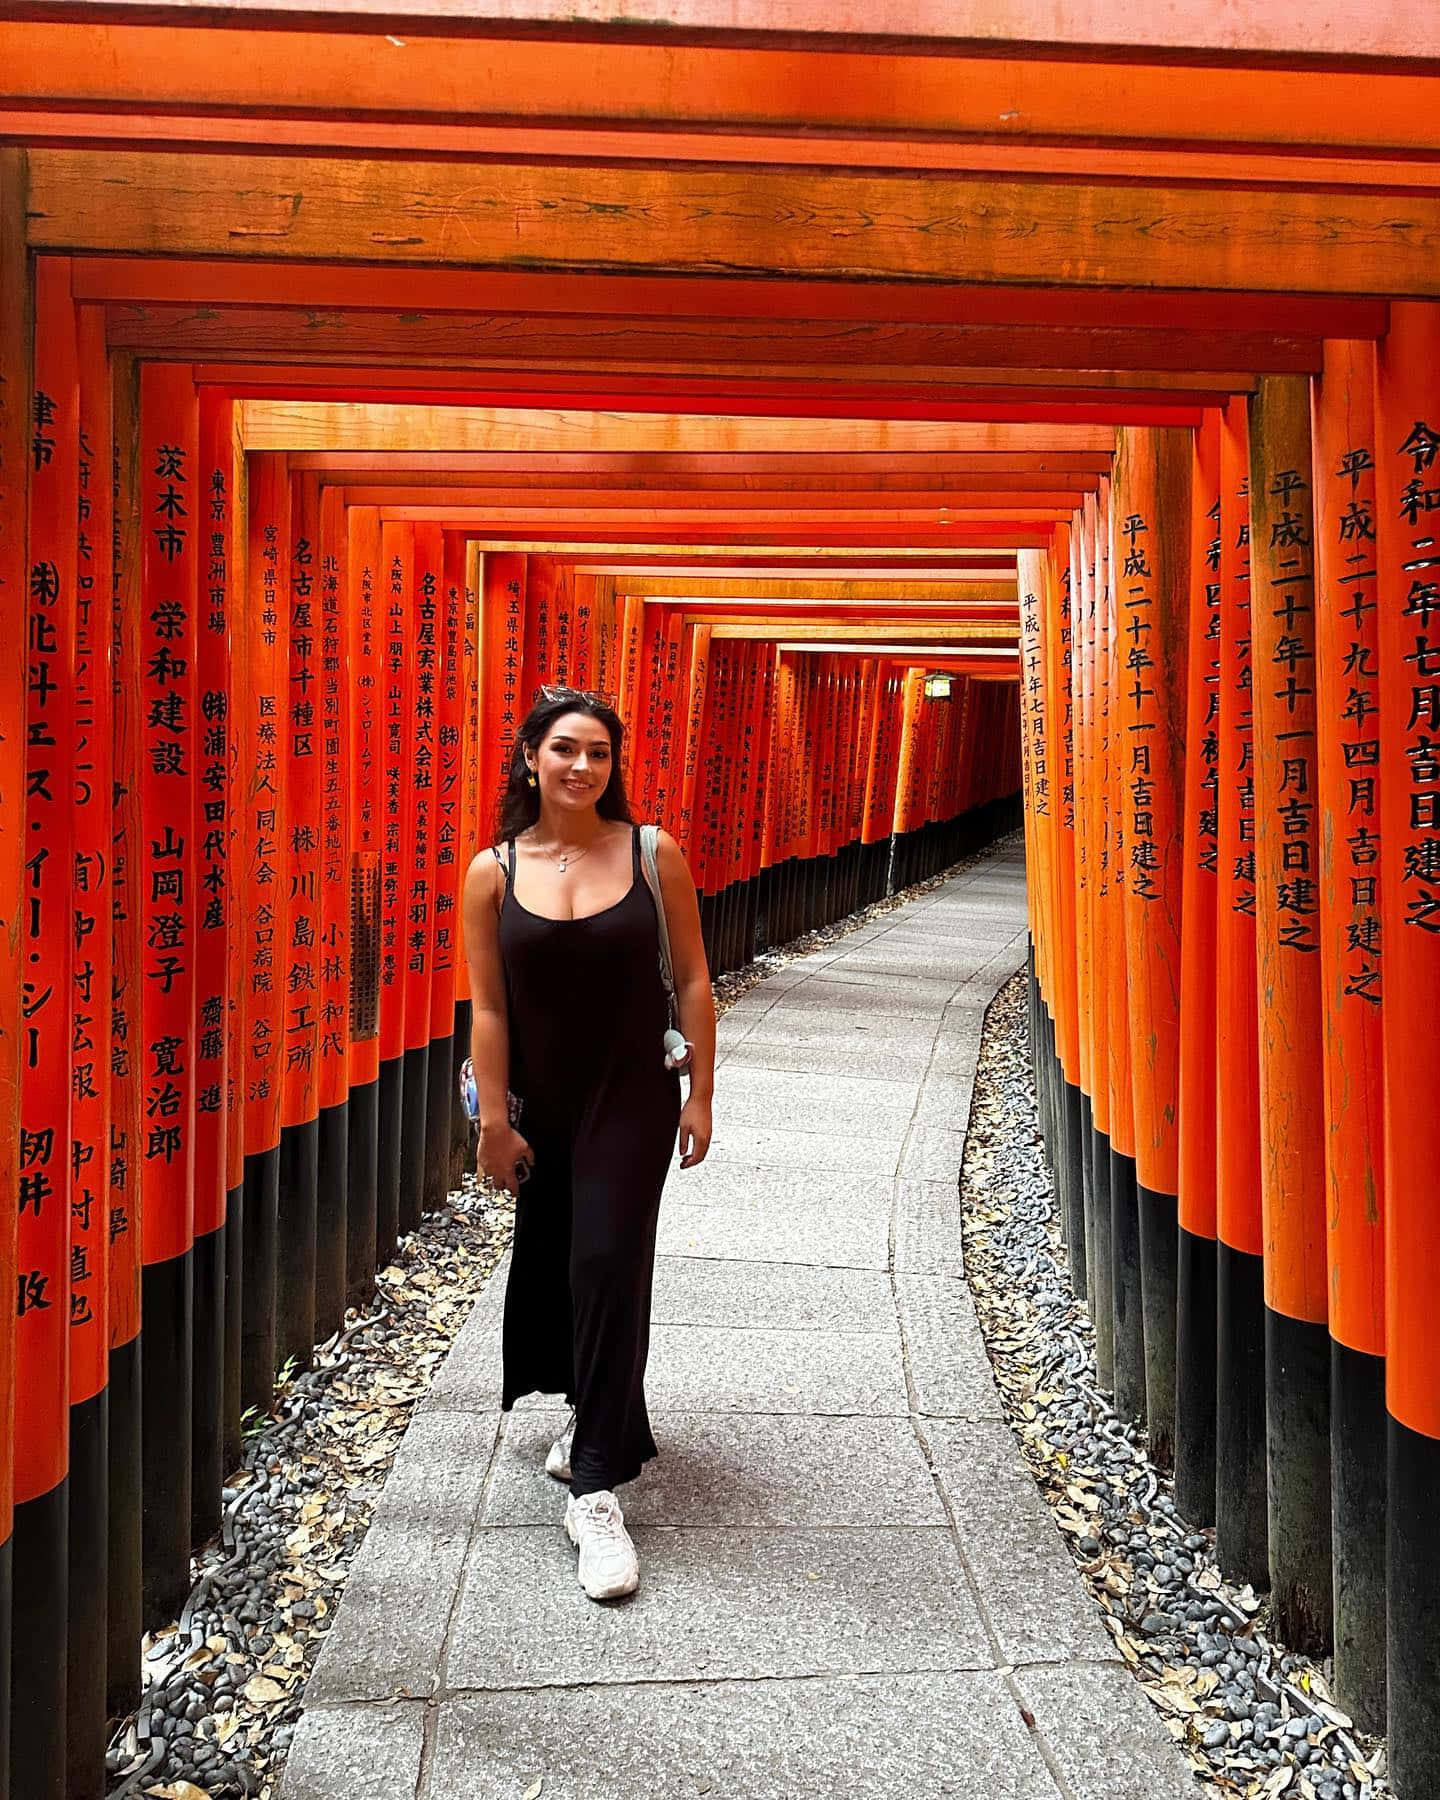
(1289, 30)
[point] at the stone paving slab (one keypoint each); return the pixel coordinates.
(699, 1368)
(927, 1229)
(759, 1148)
(921, 1736)
(720, 1604)
(849, 1581)
(357, 1752)
(837, 1058)
(777, 1233)
(734, 1469)
(834, 1101)
(389, 1633)
(1103, 1733)
(1039, 1611)
(945, 1353)
(783, 1296)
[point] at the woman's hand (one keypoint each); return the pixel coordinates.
(694, 1132)
(503, 1155)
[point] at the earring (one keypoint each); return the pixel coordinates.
(530, 780)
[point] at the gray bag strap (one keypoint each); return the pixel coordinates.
(649, 838)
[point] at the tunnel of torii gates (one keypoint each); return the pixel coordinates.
(359, 373)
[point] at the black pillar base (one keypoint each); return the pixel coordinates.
(1129, 1297)
(1071, 1161)
(1159, 1287)
(1195, 1380)
(440, 1100)
(1087, 1196)
(332, 1179)
(231, 1403)
(295, 1269)
(7, 1585)
(1414, 1614)
(1358, 1450)
(414, 1080)
(1103, 1312)
(387, 1159)
(166, 1407)
(257, 1280)
(40, 1573)
(1242, 1532)
(361, 1170)
(462, 1160)
(1297, 1437)
(123, 1627)
(207, 1473)
(85, 1657)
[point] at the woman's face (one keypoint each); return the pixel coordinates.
(573, 762)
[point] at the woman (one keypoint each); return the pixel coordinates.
(569, 1015)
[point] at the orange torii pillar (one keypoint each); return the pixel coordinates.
(362, 699)
(473, 832)
(1060, 649)
(1408, 654)
(1039, 740)
(171, 509)
(1082, 625)
(1240, 1504)
(15, 431)
(213, 984)
(38, 1687)
(392, 1215)
(299, 965)
(218, 1198)
(1287, 932)
(90, 1096)
(446, 1051)
(418, 887)
(122, 1607)
(1195, 1280)
(1096, 798)
(1152, 591)
(332, 717)
(1128, 1298)
(262, 874)
(1348, 699)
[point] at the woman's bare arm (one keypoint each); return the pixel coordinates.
(687, 956)
(489, 1023)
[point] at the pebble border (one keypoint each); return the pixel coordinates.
(1254, 1719)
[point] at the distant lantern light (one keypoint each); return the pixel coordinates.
(937, 687)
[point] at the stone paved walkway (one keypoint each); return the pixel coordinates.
(848, 1580)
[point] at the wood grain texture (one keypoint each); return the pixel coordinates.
(721, 221)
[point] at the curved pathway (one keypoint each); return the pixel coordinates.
(848, 1580)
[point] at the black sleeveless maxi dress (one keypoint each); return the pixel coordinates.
(587, 1018)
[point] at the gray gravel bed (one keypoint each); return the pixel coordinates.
(1254, 1718)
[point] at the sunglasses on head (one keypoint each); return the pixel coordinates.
(551, 694)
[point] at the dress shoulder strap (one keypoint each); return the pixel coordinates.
(508, 872)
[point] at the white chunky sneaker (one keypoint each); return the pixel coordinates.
(596, 1526)
(557, 1463)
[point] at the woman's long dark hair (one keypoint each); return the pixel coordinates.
(520, 803)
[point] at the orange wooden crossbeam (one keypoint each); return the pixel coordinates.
(351, 286)
(672, 218)
(450, 81)
(992, 353)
